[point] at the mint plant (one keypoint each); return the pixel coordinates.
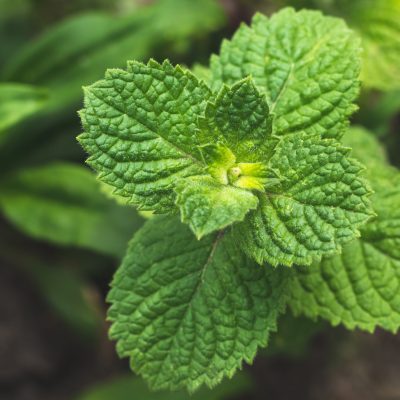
(251, 160)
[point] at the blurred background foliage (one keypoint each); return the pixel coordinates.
(62, 235)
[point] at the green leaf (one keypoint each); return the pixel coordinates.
(365, 147)
(378, 24)
(307, 65)
(17, 102)
(140, 131)
(189, 312)
(239, 118)
(294, 337)
(207, 206)
(94, 41)
(122, 388)
(318, 206)
(202, 72)
(358, 288)
(378, 112)
(67, 294)
(62, 204)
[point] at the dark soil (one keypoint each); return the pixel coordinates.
(40, 358)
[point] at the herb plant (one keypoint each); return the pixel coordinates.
(273, 208)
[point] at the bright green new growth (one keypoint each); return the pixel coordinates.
(239, 118)
(207, 205)
(189, 312)
(252, 163)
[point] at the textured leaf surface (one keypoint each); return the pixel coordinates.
(318, 206)
(62, 203)
(207, 205)
(307, 64)
(123, 388)
(18, 101)
(188, 312)
(360, 287)
(239, 118)
(140, 131)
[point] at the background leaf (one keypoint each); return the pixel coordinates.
(62, 203)
(104, 42)
(67, 294)
(17, 102)
(378, 24)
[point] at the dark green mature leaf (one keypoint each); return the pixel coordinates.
(140, 131)
(359, 287)
(318, 206)
(189, 312)
(61, 203)
(307, 65)
(17, 102)
(129, 388)
(207, 206)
